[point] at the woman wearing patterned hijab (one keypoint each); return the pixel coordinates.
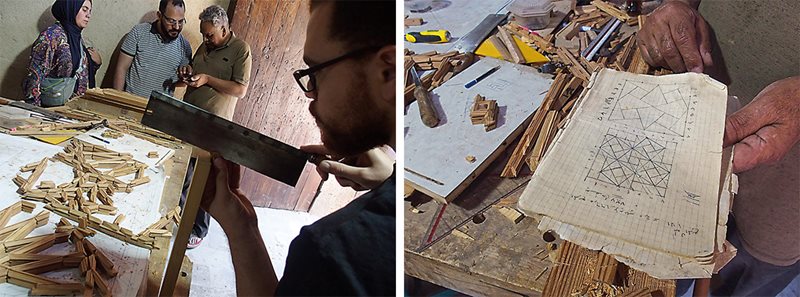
(59, 51)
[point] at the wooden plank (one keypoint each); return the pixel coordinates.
(196, 187)
(476, 267)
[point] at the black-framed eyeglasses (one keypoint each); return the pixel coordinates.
(305, 77)
(175, 22)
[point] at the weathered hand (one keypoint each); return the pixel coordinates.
(222, 197)
(198, 80)
(362, 172)
(677, 37)
(766, 129)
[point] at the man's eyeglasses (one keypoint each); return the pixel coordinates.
(175, 22)
(305, 77)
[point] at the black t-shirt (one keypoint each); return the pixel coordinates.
(349, 252)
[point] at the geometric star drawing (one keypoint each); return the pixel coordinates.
(659, 108)
(633, 162)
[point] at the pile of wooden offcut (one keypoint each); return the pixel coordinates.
(21, 262)
(53, 128)
(572, 76)
(96, 178)
(503, 41)
(117, 98)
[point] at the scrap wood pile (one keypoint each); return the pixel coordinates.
(89, 120)
(22, 262)
(117, 98)
(571, 69)
(444, 67)
(96, 173)
(574, 70)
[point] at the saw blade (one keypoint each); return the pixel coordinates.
(234, 142)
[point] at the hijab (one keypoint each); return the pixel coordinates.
(65, 12)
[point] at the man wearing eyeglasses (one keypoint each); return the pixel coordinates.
(152, 52)
(350, 51)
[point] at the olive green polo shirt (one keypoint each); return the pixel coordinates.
(231, 61)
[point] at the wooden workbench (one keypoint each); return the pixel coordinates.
(501, 257)
(176, 169)
(497, 257)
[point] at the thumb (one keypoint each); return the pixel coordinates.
(739, 125)
(340, 169)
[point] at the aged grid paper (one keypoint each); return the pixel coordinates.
(638, 167)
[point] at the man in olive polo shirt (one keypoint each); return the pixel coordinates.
(220, 70)
(217, 77)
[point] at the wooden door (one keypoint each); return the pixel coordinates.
(275, 105)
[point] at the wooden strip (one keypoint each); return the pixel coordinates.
(100, 283)
(498, 44)
(541, 142)
(119, 219)
(611, 10)
(575, 67)
(37, 246)
(40, 266)
(27, 280)
(511, 45)
(512, 214)
(529, 37)
(9, 212)
(521, 150)
(23, 230)
(106, 264)
(37, 172)
(201, 172)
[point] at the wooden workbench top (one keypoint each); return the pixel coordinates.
(496, 257)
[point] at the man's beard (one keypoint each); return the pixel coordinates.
(167, 32)
(360, 130)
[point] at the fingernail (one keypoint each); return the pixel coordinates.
(697, 69)
(708, 60)
(325, 165)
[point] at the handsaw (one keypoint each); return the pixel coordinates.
(470, 42)
(234, 142)
(19, 104)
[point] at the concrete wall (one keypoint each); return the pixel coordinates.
(111, 20)
(760, 41)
